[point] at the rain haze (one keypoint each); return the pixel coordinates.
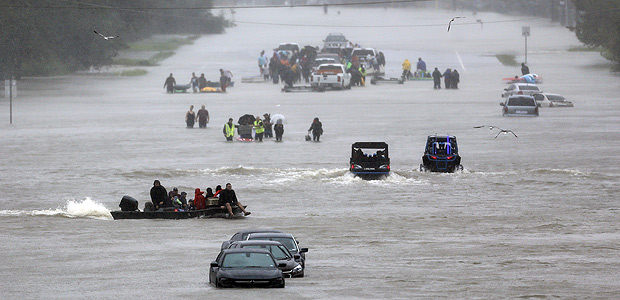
(528, 217)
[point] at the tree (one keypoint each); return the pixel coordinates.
(598, 25)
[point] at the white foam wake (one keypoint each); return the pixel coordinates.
(86, 208)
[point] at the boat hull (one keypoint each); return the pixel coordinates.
(210, 212)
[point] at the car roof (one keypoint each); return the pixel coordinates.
(255, 230)
(272, 235)
(257, 242)
(245, 250)
(524, 84)
(520, 96)
(370, 145)
(551, 94)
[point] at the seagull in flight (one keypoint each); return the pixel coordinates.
(504, 131)
(450, 23)
(105, 37)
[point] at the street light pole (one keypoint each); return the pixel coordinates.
(11, 98)
(525, 31)
(526, 49)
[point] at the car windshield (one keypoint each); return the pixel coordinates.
(529, 88)
(521, 101)
(363, 52)
(289, 47)
(248, 260)
(365, 154)
(555, 98)
(330, 68)
(288, 242)
(279, 252)
(336, 38)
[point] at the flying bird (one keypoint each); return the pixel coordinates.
(450, 23)
(105, 37)
(504, 131)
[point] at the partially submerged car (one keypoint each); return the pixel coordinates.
(243, 235)
(287, 239)
(279, 252)
(521, 89)
(369, 160)
(334, 42)
(551, 100)
(246, 267)
(441, 154)
(517, 106)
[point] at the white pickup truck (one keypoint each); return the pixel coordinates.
(331, 75)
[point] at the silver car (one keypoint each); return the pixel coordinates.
(521, 89)
(552, 100)
(520, 106)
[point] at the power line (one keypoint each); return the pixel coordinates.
(386, 26)
(103, 7)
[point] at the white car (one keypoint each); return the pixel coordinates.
(331, 75)
(552, 100)
(521, 89)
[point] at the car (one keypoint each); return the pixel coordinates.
(441, 154)
(243, 235)
(324, 60)
(334, 42)
(279, 252)
(287, 239)
(522, 105)
(292, 47)
(365, 55)
(331, 75)
(369, 160)
(551, 100)
(521, 89)
(246, 267)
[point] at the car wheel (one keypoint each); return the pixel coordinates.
(301, 274)
(217, 284)
(282, 285)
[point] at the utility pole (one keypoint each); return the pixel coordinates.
(11, 98)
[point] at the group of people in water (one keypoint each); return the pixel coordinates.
(161, 200)
(200, 84)
(451, 76)
(202, 117)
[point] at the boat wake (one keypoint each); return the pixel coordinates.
(86, 208)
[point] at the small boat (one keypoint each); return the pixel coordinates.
(209, 212)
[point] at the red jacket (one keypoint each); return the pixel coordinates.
(199, 200)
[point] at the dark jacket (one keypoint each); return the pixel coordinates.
(455, 76)
(159, 194)
(227, 196)
(317, 128)
(437, 75)
(279, 129)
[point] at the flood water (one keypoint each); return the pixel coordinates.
(529, 217)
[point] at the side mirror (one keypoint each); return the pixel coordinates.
(506, 89)
(303, 250)
(214, 264)
(501, 104)
(281, 265)
(538, 104)
(297, 257)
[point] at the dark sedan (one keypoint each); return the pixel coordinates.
(279, 252)
(246, 267)
(243, 235)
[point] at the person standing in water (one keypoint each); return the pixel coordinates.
(170, 83)
(202, 117)
(229, 130)
(317, 129)
(279, 130)
(190, 117)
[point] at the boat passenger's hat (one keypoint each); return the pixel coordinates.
(175, 188)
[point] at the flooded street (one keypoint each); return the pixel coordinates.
(529, 217)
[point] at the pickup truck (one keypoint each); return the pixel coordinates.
(365, 57)
(331, 75)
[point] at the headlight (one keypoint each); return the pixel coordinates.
(297, 269)
(385, 167)
(356, 167)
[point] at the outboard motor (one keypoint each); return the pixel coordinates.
(128, 203)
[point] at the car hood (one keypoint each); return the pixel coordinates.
(290, 264)
(250, 273)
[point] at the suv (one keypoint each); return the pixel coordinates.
(441, 155)
(520, 106)
(334, 42)
(369, 159)
(521, 89)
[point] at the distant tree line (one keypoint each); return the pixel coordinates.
(598, 25)
(50, 37)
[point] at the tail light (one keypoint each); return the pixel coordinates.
(536, 110)
(338, 78)
(388, 167)
(352, 166)
(434, 157)
(520, 93)
(450, 157)
(311, 78)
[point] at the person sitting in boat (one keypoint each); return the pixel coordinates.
(180, 202)
(200, 202)
(218, 189)
(190, 205)
(159, 196)
(209, 193)
(174, 193)
(229, 199)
